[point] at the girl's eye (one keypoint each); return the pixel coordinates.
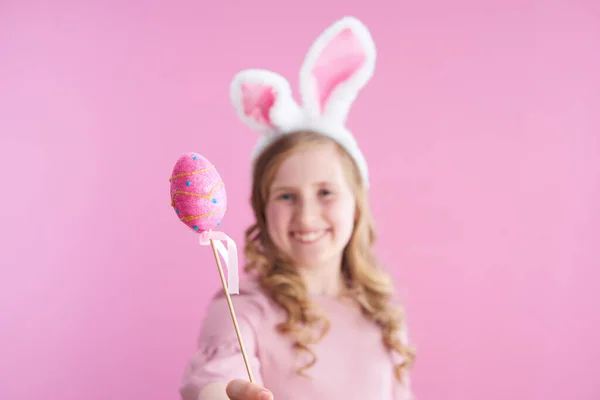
(286, 196)
(324, 192)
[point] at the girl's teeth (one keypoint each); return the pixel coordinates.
(308, 237)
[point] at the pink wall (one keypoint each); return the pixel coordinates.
(491, 160)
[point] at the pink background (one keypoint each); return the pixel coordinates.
(484, 119)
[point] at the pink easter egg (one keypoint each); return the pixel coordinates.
(197, 192)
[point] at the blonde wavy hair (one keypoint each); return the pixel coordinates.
(366, 283)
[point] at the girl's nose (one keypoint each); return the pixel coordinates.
(307, 210)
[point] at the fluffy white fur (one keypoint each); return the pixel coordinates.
(287, 116)
(285, 110)
(342, 97)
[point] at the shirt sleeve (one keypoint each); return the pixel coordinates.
(218, 357)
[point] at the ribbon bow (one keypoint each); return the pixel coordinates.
(229, 254)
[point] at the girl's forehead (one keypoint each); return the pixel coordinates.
(313, 165)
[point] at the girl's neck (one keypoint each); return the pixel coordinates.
(323, 281)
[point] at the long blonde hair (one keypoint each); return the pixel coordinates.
(368, 285)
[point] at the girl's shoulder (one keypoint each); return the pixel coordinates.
(251, 304)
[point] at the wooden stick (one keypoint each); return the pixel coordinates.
(231, 311)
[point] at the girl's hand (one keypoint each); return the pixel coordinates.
(243, 390)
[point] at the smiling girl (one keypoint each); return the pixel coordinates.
(317, 316)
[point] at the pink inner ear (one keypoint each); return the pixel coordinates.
(257, 100)
(338, 61)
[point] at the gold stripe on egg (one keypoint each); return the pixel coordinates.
(204, 196)
(198, 171)
(193, 217)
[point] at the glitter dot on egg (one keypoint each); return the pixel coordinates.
(219, 223)
(177, 212)
(195, 227)
(195, 157)
(188, 183)
(214, 201)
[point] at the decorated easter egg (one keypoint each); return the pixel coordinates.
(197, 192)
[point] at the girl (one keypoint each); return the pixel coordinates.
(317, 318)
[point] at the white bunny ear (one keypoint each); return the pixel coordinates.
(263, 100)
(338, 65)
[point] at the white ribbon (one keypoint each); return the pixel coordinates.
(229, 254)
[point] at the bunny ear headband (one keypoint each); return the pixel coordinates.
(337, 66)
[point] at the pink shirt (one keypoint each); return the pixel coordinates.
(352, 362)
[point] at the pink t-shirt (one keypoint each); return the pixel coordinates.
(352, 362)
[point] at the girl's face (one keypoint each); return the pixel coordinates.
(310, 211)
